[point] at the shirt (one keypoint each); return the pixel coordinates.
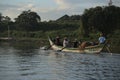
(65, 43)
(102, 40)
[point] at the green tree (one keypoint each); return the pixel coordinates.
(104, 19)
(81, 30)
(27, 20)
(6, 19)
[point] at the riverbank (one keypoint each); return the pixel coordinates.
(40, 42)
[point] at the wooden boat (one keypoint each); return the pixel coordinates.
(89, 49)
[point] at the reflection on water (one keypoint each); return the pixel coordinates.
(35, 64)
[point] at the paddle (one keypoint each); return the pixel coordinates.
(61, 49)
(49, 47)
(108, 49)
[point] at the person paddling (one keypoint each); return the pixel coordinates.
(65, 43)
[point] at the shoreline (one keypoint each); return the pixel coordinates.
(39, 42)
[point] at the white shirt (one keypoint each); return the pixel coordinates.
(65, 43)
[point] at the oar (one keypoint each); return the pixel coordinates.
(61, 49)
(49, 47)
(109, 50)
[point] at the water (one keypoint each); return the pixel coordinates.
(29, 63)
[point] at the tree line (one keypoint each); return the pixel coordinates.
(104, 19)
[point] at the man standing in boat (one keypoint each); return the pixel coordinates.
(102, 39)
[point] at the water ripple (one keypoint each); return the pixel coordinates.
(35, 64)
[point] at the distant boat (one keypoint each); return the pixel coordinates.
(6, 38)
(90, 49)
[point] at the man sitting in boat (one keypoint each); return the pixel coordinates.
(75, 43)
(85, 44)
(65, 42)
(57, 41)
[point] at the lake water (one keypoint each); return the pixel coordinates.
(27, 62)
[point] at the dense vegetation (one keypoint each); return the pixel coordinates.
(87, 26)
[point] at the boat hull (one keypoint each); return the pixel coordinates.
(90, 49)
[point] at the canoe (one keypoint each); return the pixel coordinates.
(89, 49)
